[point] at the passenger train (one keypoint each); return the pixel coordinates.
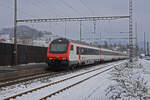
(63, 53)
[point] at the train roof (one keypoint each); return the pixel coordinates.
(86, 44)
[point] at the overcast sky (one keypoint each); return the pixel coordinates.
(78, 8)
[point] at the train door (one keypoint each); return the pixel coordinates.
(100, 54)
(72, 53)
(78, 53)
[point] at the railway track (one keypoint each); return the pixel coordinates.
(12, 82)
(32, 77)
(60, 88)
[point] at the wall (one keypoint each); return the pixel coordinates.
(26, 54)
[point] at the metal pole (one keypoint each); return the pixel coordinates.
(147, 48)
(144, 44)
(130, 31)
(136, 40)
(94, 27)
(80, 31)
(15, 33)
(65, 30)
(100, 36)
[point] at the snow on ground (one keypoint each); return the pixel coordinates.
(11, 90)
(146, 71)
(93, 89)
(46, 91)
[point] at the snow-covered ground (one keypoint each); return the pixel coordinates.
(46, 91)
(93, 89)
(11, 90)
(146, 71)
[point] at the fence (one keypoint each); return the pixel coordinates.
(26, 54)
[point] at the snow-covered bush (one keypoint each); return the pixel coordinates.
(128, 83)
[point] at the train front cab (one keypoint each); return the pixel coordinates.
(58, 54)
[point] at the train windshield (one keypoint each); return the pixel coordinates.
(58, 48)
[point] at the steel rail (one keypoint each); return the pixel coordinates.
(54, 83)
(70, 86)
(8, 83)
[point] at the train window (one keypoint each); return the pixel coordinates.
(82, 50)
(107, 53)
(88, 51)
(71, 48)
(58, 47)
(77, 50)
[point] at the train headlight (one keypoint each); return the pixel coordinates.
(64, 58)
(50, 58)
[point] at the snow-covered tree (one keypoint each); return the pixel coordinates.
(128, 83)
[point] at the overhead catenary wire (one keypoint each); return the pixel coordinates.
(39, 5)
(71, 7)
(89, 9)
(74, 19)
(9, 7)
(60, 5)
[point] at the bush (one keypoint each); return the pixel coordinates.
(128, 83)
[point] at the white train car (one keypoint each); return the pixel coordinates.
(65, 52)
